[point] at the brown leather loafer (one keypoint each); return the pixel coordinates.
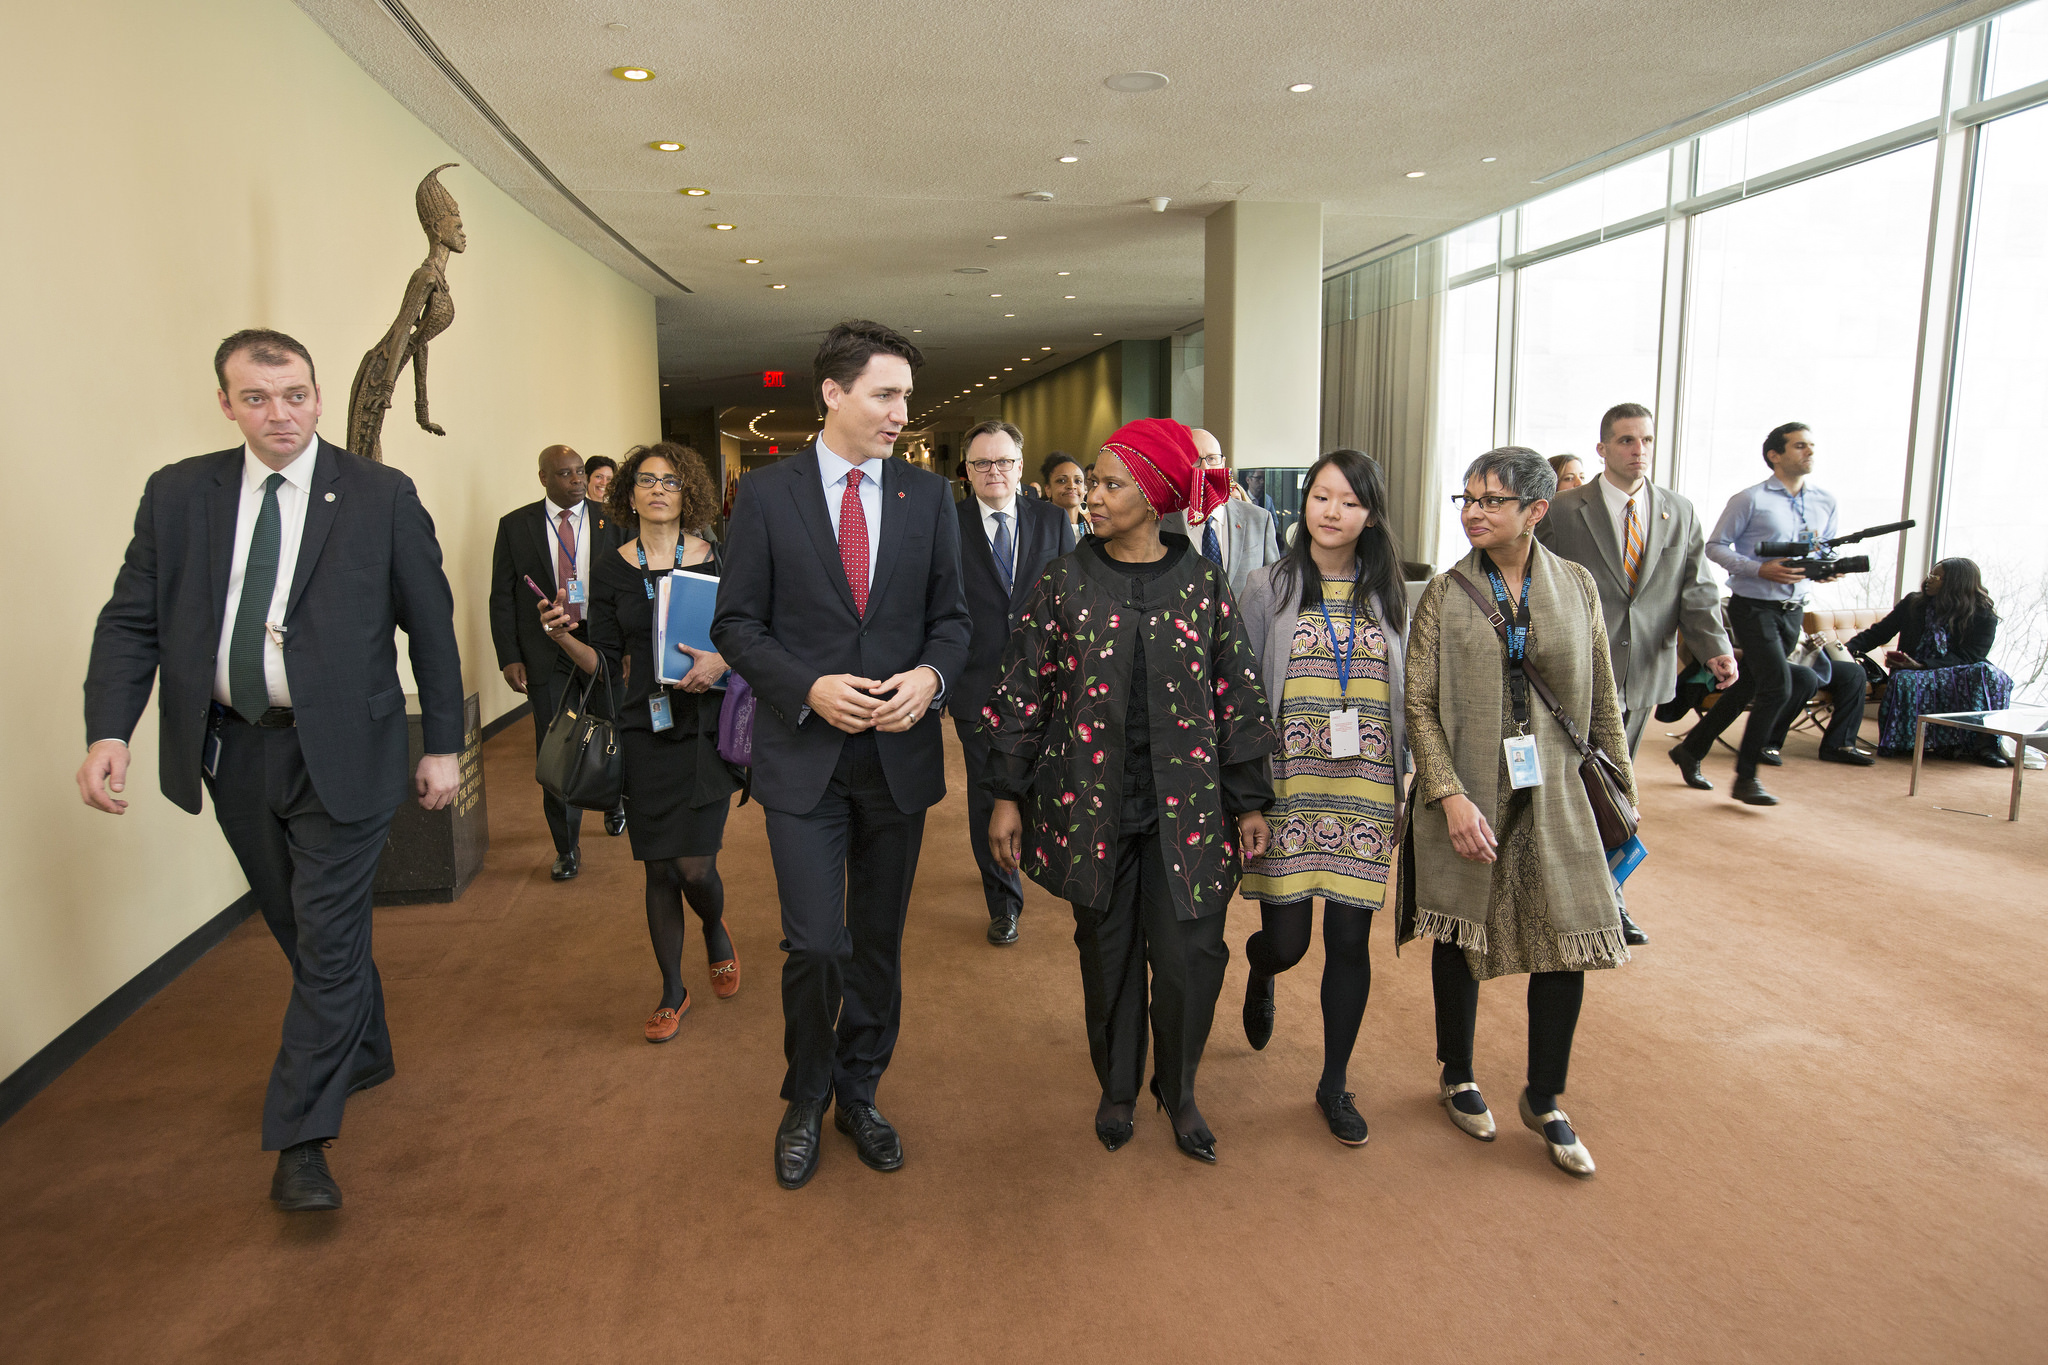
(663, 1023)
(725, 977)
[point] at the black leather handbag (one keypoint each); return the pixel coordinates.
(579, 762)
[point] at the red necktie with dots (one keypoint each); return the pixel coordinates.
(853, 542)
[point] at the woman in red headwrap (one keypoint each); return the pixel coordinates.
(1129, 741)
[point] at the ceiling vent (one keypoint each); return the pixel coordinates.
(1039, 196)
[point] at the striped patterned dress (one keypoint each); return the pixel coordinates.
(1332, 818)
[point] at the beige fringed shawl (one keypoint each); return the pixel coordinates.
(1455, 706)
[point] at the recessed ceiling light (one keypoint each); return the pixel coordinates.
(721, 227)
(632, 73)
(977, 386)
(1026, 358)
(1009, 315)
(1489, 158)
(1045, 348)
(666, 146)
(778, 286)
(1417, 175)
(1066, 272)
(1136, 82)
(1069, 160)
(1008, 368)
(1070, 296)
(1098, 334)
(751, 260)
(995, 296)
(917, 329)
(1300, 88)
(999, 239)
(694, 192)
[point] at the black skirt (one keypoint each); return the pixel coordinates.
(661, 784)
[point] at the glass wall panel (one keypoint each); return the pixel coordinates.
(1474, 246)
(1586, 339)
(1613, 196)
(1892, 94)
(1805, 306)
(1992, 507)
(2019, 50)
(1464, 402)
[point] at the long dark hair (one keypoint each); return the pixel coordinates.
(1961, 594)
(1378, 553)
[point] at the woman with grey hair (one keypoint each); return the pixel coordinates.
(1503, 866)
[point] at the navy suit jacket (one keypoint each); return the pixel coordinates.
(1042, 536)
(368, 566)
(785, 619)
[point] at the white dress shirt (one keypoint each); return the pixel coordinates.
(988, 520)
(832, 470)
(294, 495)
(579, 556)
(1617, 511)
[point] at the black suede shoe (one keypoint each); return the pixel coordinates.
(1751, 792)
(567, 866)
(303, 1184)
(1631, 932)
(1259, 1011)
(1771, 758)
(1347, 1125)
(615, 822)
(1002, 930)
(797, 1143)
(874, 1140)
(1854, 757)
(1689, 765)
(370, 1080)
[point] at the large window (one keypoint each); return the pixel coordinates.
(1876, 100)
(1464, 402)
(1805, 307)
(1586, 339)
(1996, 476)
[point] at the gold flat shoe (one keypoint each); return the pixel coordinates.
(1479, 1125)
(1570, 1157)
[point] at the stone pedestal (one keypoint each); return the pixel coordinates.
(433, 855)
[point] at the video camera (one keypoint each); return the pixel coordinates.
(1820, 559)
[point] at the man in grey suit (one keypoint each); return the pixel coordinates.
(1647, 553)
(1238, 536)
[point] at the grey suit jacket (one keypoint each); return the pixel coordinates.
(1674, 593)
(1247, 535)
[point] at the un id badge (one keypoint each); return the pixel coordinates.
(1344, 733)
(658, 712)
(575, 587)
(1525, 769)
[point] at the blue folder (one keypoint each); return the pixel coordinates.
(692, 598)
(1624, 860)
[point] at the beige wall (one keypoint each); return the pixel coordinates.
(1075, 408)
(1262, 332)
(176, 172)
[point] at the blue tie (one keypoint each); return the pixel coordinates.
(248, 689)
(1212, 549)
(1006, 551)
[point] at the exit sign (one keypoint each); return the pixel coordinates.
(771, 379)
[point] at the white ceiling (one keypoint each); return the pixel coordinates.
(868, 152)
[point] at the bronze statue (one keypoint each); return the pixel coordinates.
(424, 315)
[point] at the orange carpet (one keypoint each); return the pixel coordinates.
(1816, 1100)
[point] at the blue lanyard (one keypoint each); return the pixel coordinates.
(648, 583)
(1518, 629)
(568, 547)
(1350, 643)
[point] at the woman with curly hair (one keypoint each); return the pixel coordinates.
(677, 786)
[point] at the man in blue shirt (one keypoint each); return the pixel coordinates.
(1764, 617)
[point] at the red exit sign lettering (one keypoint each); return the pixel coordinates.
(771, 379)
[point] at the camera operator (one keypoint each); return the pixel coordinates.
(1764, 617)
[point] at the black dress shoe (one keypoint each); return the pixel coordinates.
(1631, 932)
(1994, 759)
(797, 1143)
(567, 866)
(1751, 792)
(1200, 1144)
(1689, 765)
(1114, 1135)
(615, 822)
(1771, 758)
(368, 1080)
(303, 1184)
(1347, 1125)
(1259, 1011)
(874, 1141)
(1002, 930)
(1854, 757)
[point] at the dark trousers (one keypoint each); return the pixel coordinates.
(312, 876)
(1774, 689)
(544, 688)
(1187, 958)
(1554, 999)
(1004, 891)
(843, 871)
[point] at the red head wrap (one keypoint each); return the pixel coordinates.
(1161, 455)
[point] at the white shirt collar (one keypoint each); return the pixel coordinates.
(554, 509)
(1009, 508)
(1617, 499)
(834, 466)
(299, 473)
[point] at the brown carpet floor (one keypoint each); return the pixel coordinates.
(1816, 1100)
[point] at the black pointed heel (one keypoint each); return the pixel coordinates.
(1200, 1144)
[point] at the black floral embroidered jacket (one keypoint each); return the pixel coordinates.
(1056, 723)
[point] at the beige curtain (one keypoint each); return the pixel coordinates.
(1381, 324)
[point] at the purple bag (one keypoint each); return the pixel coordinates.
(736, 722)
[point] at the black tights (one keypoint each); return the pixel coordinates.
(1347, 970)
(671, 881)
(1554, 999)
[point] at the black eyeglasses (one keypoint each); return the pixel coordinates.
(986, 466)
(668, 483)
(1492, 502)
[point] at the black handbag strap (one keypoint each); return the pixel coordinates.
(590, 681)
(1536, 683)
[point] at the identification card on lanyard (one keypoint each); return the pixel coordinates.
(1343, 720)
(1525, 766)
(658, 712)
(575, 590)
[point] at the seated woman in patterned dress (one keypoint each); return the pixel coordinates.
(1329, 620)
(1128, 766)
(1945, 632)
(1509, 880)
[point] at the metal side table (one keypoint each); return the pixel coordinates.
(2024, 727)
